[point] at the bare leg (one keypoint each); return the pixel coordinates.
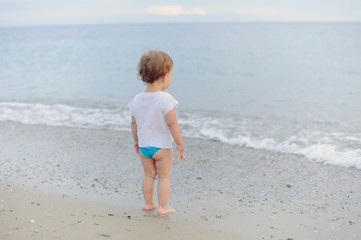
(148, 182)
(163, 163)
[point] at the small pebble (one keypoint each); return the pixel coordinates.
(129, 217)
(218, 216)
(104, 235)
(110, 214)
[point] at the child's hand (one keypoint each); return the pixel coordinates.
(136, 146)
(180, 153)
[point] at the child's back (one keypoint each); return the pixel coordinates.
(150, 109)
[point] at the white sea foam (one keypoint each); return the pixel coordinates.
(64, 115)
(335, 148)
(327, 147)
(326, 153)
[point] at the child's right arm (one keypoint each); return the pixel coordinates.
(135, 134)
(176, 133)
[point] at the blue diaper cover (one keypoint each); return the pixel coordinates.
(148, 151)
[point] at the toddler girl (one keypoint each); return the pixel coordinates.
(154, 123)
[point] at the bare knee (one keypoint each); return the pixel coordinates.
(150, 174)
(163, 175)
(164, 172)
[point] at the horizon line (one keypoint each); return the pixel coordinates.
(179, 22)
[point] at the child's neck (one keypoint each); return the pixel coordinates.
(154, 87)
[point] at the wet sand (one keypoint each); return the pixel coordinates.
(67, 183)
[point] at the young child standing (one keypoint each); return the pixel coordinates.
(154, 123)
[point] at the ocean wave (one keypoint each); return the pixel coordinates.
(319, 152)
(64, 115)
(335, 147)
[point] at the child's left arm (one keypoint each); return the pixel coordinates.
(135, 134)
(176, 132)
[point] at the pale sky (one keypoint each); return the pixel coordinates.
(49, 12)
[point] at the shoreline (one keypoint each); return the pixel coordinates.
(223, 191)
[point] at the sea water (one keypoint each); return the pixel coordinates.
(286, 87)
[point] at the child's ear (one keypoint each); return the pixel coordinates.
(164, 77)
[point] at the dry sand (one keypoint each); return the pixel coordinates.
(67, 183)
(28, 213)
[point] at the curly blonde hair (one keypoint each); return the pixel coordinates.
(153, 65)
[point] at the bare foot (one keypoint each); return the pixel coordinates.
(165, 210)
(148, 207)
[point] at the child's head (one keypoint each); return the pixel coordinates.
(153, 65)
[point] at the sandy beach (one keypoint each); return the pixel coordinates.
(69, 183)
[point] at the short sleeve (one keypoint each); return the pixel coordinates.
(131, 107)
(168, 103)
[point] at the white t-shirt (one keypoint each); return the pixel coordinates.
(149, 110)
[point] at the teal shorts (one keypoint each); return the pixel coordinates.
(148, 151)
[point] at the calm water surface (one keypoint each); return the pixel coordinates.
(285, 87)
